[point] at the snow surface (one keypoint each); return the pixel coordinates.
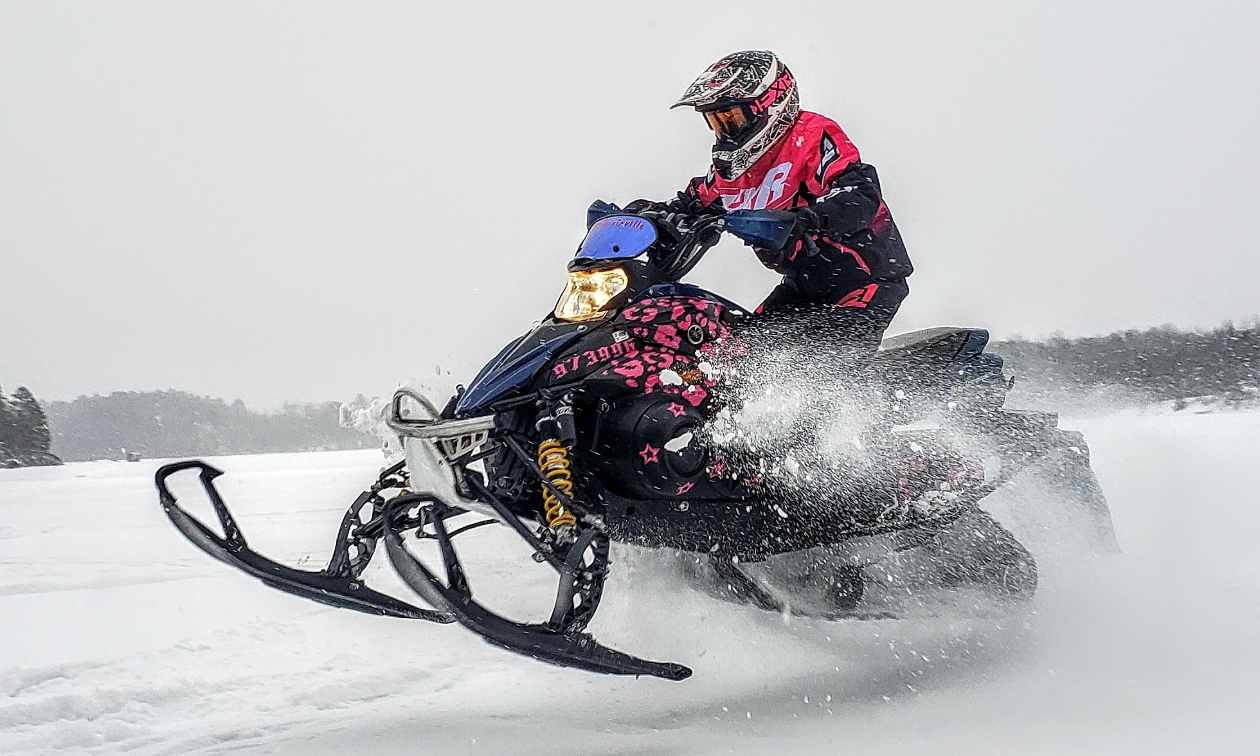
(119, 636)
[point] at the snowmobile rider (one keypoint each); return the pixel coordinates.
(845, 263)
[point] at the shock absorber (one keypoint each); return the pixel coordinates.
(553, 458)
(556, 428)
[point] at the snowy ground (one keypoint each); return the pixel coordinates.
(119, 636)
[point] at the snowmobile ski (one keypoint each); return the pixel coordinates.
(338, 584)
(561, 640)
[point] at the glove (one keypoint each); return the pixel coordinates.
(808, 225)
(799, 241)
(690, 205)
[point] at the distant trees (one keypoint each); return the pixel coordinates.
(24, 436)
(1138, 367)
(179, 424)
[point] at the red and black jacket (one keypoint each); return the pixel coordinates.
(815, 165)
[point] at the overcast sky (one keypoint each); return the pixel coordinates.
(310, 200)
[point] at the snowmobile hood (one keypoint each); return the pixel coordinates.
(510, 370)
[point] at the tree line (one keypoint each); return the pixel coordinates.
(24, 436)
(179, 424)
(1138, 367)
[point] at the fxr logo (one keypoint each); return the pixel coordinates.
(760, 197)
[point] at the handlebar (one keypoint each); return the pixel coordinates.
(760, 228)
(693, 235)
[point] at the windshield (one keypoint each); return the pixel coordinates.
(617, 237)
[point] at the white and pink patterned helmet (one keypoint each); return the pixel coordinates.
(750, 101)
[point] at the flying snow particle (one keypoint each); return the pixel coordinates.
(671, 378)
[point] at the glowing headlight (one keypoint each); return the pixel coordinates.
(588, 291)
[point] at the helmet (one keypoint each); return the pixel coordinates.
(749, 99)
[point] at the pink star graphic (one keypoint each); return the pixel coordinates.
(676, 409)
(650, 454)
(684, 488)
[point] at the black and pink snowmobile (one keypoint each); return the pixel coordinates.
(597, 426)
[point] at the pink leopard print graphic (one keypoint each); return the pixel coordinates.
(649, 337)
(673, 332)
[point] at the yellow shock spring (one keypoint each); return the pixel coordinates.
(553, 458)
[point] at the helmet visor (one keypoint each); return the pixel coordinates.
(730, 122)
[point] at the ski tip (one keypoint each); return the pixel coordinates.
(209, 472)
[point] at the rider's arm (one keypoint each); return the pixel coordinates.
(851, 201)
(698, 198)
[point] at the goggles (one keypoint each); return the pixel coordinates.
(729, 123)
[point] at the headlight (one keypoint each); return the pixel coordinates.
(588, 291)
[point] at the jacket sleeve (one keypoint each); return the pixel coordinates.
(697, 198)
(851, 202)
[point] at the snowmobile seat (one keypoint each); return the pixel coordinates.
(933, 344)
(948, 362)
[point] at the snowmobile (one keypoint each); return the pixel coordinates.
(592, 428)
